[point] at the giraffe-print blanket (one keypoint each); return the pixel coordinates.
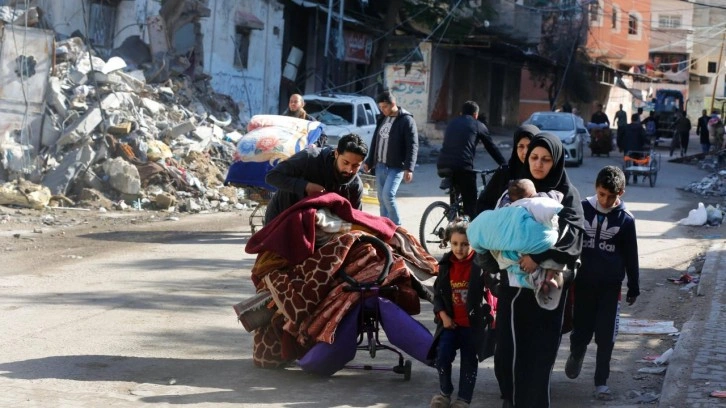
(309, 296)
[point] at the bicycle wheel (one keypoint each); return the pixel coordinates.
(431, 230)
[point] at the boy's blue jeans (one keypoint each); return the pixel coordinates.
(388, 179)
(460, 338)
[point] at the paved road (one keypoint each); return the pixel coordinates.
(150, 322)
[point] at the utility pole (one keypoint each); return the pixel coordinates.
(326, 52)
(718, 72)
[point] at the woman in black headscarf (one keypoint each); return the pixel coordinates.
(500, 180)
(528, 336)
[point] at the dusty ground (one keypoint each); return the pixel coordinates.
(44, 240)
(50, 242)
(48, 237)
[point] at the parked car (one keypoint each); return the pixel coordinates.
(569, 128)
(343, 114)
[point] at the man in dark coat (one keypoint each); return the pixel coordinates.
(683, 133)
(318, 170)
(458, 151)
(394, 150)
(634, 138)
(702, 131)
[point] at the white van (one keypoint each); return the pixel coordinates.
(343, 114)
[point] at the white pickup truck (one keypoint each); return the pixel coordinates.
(343, 114)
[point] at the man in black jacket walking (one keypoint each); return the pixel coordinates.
(458, 151)
(318, 170)
(394, 150)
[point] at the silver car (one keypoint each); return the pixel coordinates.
(569, 128)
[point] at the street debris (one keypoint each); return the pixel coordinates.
(639, 397)
(696, 217)
(132, 130)
(718, 394)
(645, 326)
(653, 370)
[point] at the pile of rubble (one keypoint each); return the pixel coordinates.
(108, 137)
(713, 185)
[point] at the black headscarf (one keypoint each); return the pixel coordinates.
(500, 180)
(516, 167)
(568, 247)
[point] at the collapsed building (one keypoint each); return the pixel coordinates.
(82, 123)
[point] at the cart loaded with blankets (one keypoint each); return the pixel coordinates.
(327, 278)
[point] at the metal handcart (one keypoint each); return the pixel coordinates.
(261, 196)
(645, 164)
(254, 189)
(370, 190)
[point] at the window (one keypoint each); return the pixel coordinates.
(711, 67)
(594, 11)
(360, 115)
(633, 25)
(614, 18)
(241, 46)
(669, 21)
(369, 113)
(694, 64)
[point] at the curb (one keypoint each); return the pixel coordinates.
(698, 341)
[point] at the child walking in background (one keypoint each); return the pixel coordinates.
(609, 252)
(462, 315)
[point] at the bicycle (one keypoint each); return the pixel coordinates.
(438, 214)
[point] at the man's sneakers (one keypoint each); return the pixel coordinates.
(573, 366)
(459, 404)
(440, 401)
(603, 393)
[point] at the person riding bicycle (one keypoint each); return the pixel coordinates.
(458, 150)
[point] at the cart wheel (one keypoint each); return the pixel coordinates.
(653, 172)
(407, 370)
(652, 178)
(627, 179)
(635, 179)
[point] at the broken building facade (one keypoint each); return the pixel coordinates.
(238, 44)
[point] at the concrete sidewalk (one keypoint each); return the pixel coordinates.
(698, 364)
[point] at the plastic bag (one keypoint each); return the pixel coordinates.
(695, 217)
(714, 215)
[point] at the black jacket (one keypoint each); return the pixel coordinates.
(402, 145)
(610, 247)
(312, 165)
(634, 138)
(476, 306)
(702, 129)
(460, 140)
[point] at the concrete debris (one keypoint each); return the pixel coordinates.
(138, 127)
(23, 193)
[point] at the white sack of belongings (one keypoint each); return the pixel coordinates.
(696, 217)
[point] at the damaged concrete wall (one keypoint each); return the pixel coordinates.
(256, 88)
(131, 15)
(25, 62)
